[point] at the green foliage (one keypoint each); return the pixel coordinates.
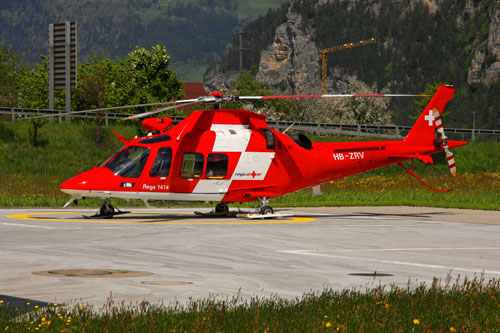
(414, 48)
(9, 63)
(142, 77)
(247, 85)
(196, 32)
(32, 82)
(152, 78)
(430, 90)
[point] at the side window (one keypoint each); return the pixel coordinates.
(192, 165)
(161, 166)
(216, 166)
(270, 144)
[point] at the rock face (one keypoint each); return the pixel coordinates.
(485, 66)
(292, 62)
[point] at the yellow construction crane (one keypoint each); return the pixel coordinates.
(333, 49)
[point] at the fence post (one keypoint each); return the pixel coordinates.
(106, 118)
(13, 115)
(359, 131)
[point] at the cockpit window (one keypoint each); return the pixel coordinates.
(130, 162)
(161, 166)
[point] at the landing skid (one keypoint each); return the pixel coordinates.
(218, 214)
(106, 212)
(99, 216)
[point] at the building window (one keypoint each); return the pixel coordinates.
(161, 166)
(192, 165)
(216, 166)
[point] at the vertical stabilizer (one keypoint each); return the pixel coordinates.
(423, 132)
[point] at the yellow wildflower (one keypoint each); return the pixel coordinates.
(452, 329)
(416, 321)
(328, 324)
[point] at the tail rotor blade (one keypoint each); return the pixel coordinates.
(449, 155)
(451, 161)
(439, 124)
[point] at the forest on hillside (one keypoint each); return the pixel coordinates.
(196, 32)
(414, 48)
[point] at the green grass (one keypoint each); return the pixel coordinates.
(31, 176)
(445, 306)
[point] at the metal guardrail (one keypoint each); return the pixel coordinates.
(17, 113)
(358, 130)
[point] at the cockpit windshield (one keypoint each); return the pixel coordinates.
(130, 162)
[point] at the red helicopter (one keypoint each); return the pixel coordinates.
(228, 156)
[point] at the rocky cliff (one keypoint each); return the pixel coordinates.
(485, 65)
(291, 62)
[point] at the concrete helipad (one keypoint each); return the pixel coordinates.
(167, 255)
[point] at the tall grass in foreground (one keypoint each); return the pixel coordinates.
(462, 306)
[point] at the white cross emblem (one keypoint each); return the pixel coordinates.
(430, 118)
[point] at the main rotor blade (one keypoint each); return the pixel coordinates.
(145, 114)
(328, 96)
(104, 109)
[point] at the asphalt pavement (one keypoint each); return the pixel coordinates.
(171, 255)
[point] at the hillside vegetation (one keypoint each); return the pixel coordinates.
(415, 47)
(195, 32)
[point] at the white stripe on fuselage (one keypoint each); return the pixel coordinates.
(250, 166)
(253, 166)
(231, 138)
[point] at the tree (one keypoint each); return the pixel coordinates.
(142, 77)
(430, 90)
(9, 62)
(151, 77)
(32, 82)
(247, 85)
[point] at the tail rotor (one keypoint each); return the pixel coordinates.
(443, 141)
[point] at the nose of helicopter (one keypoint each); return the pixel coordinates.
(84, 182)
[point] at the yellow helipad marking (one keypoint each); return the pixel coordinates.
(33, 217)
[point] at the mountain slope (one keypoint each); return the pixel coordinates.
(195, 32)
(418, 42)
